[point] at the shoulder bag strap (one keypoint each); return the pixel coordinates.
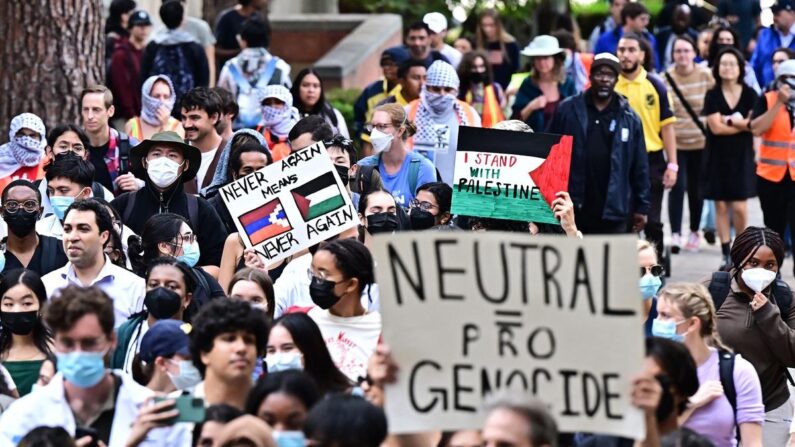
(684, 102)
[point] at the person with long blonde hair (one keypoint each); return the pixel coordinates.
(686, 313)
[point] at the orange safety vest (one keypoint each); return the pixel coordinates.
(136, 131)
(492, 112)
(469, 112)
(280, 149)
(777, 152)
(587, 61)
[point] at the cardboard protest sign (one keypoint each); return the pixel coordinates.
(509, 175)
(290, 205)
(467, 314)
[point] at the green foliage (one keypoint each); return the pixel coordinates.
(342, 99)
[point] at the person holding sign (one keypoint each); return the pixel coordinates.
(609, 177)
(689, 307)
(401, 169)
(341, 271)
(438, 114)
(756, 319)
(166, 163)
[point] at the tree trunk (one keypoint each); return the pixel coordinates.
(49, 51)
(211, 9)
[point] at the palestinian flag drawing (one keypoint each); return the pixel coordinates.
(318, 197)
(265, 222)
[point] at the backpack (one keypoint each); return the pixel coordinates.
(366, 173)
(175, 61)
(726, 371)
(250, 113)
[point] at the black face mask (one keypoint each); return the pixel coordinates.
(19, 323)
(162, 303)
(322, 292)
(342, 171)
(21, 223)
(421, 219)
(382, 223)
(478, 77)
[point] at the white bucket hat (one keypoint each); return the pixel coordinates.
(542, 45)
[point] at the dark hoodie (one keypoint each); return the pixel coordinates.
(209, 229)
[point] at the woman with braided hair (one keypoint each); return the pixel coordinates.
(751, 321)
(686, 313)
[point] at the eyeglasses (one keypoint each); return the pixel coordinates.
(426, 206)
(655, 270)
(319, 275)
(78, 149)
(12, 206)
(380, 127)
(184, 239)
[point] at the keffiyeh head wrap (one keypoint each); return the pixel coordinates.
(278, 120)
(22, 150)
(149, 105)
(442, 74)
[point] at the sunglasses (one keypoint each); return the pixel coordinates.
(655, 270)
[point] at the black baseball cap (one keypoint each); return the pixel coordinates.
(782, 5)
(139, 18)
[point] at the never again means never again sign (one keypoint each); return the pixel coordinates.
(509, 175)
(291, 204)
(467, 314)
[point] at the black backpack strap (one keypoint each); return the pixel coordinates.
(193, 211)
(128, 207)
(726, 369)
(719, 288)
(124, 153)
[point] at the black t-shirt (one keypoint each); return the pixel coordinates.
(47, 257)
(760, 107)
(601, 129)
(97, 157)
(228, 26)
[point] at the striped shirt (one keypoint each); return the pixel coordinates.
(694, 87)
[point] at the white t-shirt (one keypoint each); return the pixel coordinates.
(207, 160)
(350, 340)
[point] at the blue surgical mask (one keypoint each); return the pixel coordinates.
(190, 254)
(649, 285)
(60, 204)
(666, 329)
(283, 361)
(82, 369)
(188, 377)
(289, 438)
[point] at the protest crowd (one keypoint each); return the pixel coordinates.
(205, 258)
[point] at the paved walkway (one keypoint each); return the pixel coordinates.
(688, 266)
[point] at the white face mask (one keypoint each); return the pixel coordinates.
(188, 376)
(163, 171)
(283, 361)
(757, 279)
(380, 140)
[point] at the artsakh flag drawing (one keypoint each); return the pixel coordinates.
(265, 222)
(318, 197)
